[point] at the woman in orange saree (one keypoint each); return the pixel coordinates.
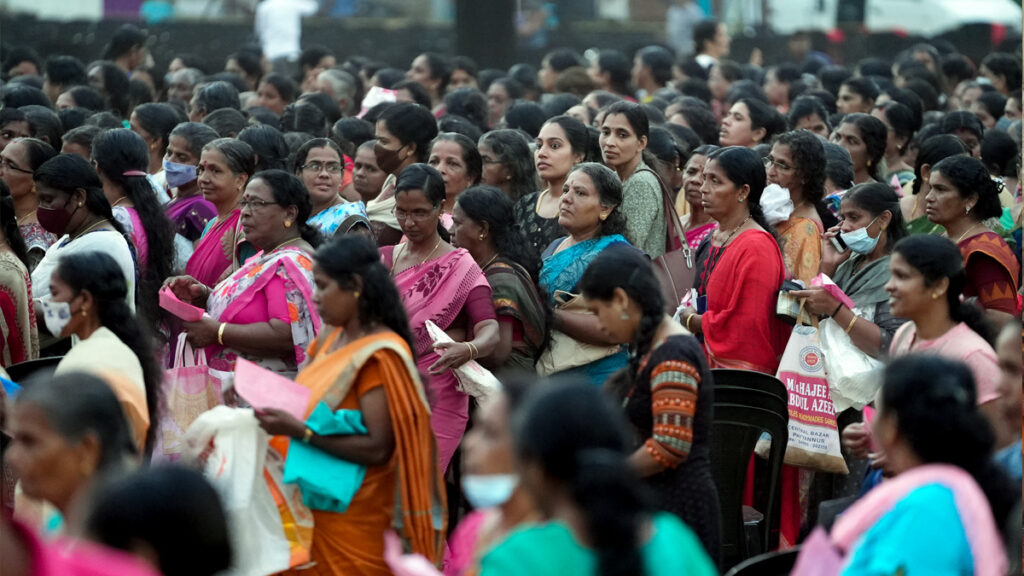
(366, 364)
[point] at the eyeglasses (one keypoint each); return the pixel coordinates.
(769, 162)
(416, 215)
(8, 165)
(245, 204)
(485, 160)
(317, 167)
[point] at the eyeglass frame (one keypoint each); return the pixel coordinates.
(8, 165)
(768, 162)
(324, 167)
(402, 215)
(256, 204)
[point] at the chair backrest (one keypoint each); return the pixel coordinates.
(26, 374)
(778, 563)
(743, 410)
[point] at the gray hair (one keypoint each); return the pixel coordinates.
(344, 86)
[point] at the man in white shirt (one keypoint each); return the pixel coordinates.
(279, 28)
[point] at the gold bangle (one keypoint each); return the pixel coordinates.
(220, 333)
(307, 435)
(473, 352)
(852, 322)
(687, 323)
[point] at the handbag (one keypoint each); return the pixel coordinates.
(189, 390)
(565, 352)
(675, 269)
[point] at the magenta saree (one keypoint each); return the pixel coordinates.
(215, 256)
(438, 291)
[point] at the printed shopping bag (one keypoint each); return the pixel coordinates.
(189, 390)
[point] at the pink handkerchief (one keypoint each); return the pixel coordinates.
(262, 388)
(830, 286)
(183, 310)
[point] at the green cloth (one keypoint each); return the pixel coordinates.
(922, 225)
(867, 285)
(328, 483)
(552, 550)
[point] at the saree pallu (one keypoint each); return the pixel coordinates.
(406, 494)
(697, 235)
(215, 257)
(563, 271)
(339, 219)
(801, 248)
(922, 225)
(37, 241)
(190, 215)
(129, 218)
(740, 327)
(438, 291)
(515, 296)
(236, 294)
(993, 293)
(19, 340)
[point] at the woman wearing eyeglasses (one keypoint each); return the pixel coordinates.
(264, 311)
(17, 162)
(445, 285)
(797, 163)
(320, 165)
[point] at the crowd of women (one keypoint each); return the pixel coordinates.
(531, 223)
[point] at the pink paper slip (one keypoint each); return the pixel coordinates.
(830, 286)
(183, 310)
(262, 388)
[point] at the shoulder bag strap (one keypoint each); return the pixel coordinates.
(675, 225)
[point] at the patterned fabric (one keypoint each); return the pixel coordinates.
(992, 272)
(19, 340)
(865, 285)
(922, 225)
(801, 248)
(37, 240)
(563, 271)
(190, 215)
(902, 177)
(697, 235)
(295, 269)
(644, 209)
(670, 408)
(515, 296)
(540, 232)
(339, 218)
(215, 257)
(129, 218)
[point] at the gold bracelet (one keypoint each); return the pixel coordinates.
(473, 351)
(307, 436)
(852, 322)
(687, 323)
(220, 333)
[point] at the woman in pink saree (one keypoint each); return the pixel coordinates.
(444, 285)
(264, 311)
(224, 168)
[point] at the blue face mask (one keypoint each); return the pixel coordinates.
(178, 175)
(489, 490)
(859, 241)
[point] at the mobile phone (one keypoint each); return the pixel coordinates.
(837, 241)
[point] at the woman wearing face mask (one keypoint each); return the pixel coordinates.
(73, 207)
(455, 156)
(225, 168)
(319, 163)
(188, 211)
(365, 362)
(598, 519)
(87, 300)
(666, 390)
(797, 164)
(18, 160)
(154, 122)
(403, 133)
(697, 223)
(871, 225)
(490, 483)
(561, 144)
(68, 435)
(443, 284)
(624, 132)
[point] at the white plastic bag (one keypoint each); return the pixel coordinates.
(853, 376)
(776, 204)
(474, 379)
(231, 448)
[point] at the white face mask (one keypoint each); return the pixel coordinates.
(56, 315)
(489, 490)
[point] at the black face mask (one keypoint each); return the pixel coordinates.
(387, 160)
(55, 220)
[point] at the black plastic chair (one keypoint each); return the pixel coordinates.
(779, 563)
(26, 374)
(750, 404)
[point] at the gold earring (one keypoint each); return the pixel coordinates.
(869, 163)
(935, 295)
(85, 313)
(356, 295)
(604, 217)
(80, 204)
(482, 236)
(287, 223)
